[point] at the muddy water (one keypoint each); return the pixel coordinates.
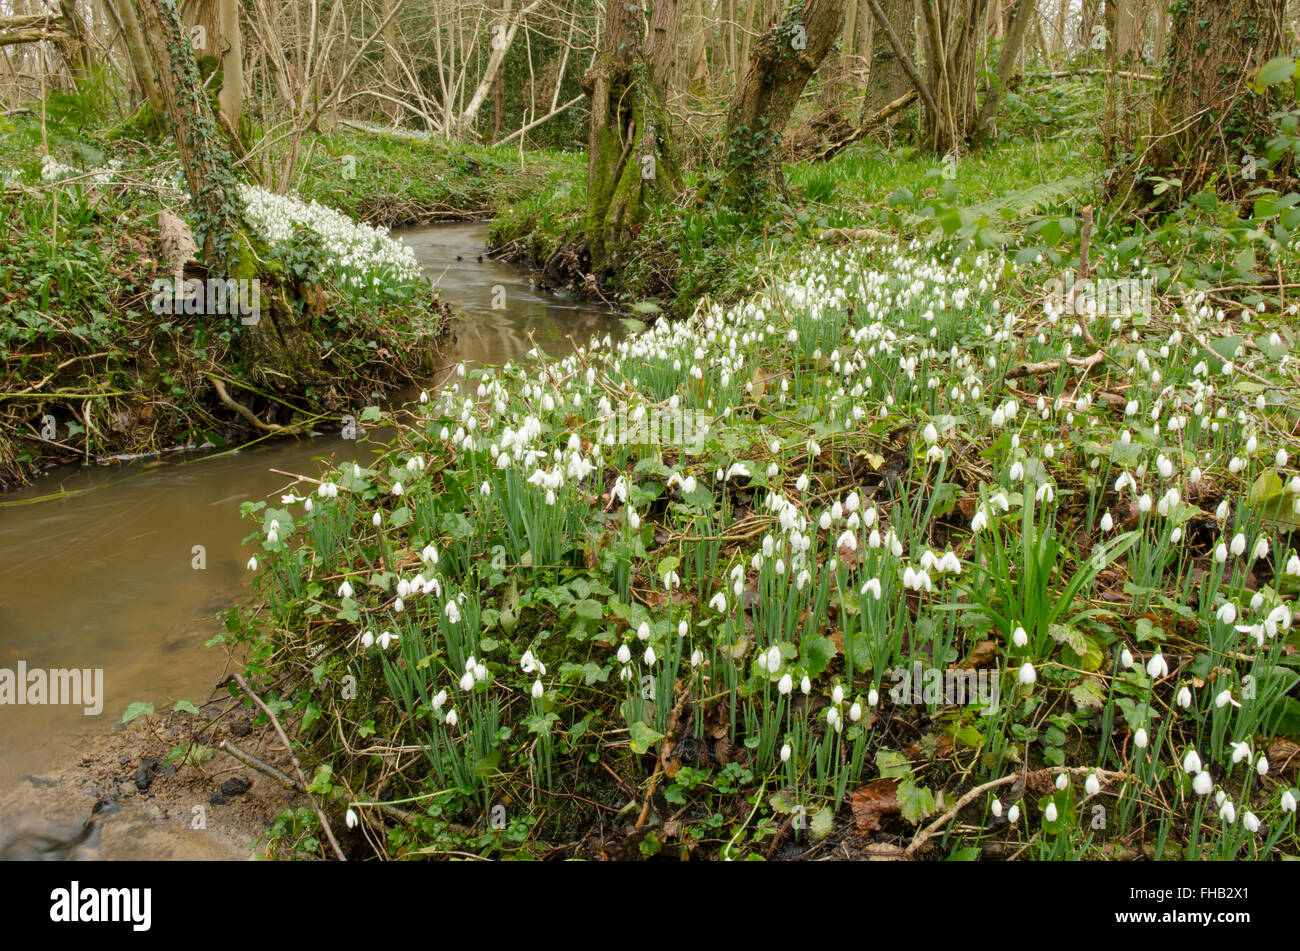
(127, 571)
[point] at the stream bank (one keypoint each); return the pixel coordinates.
(145, 608)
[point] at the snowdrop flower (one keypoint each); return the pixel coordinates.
(786, 752)
(1261, 765)
(452, 717)
(643, 631)
(351, 819)
(538, 689)
(1250, 821)
(385, 639)
(1050, 813)
(439, 699)
(1191, 763)
(1184, 697)
(1238, 546)
(377, 520)
(718, 602)
(1126, 658)
(1019, 637)
(979, 522)
(1156, 666)
(1028, 675)
(1091, 786)
(1227, 614)
(996, 808)
(930, 434)
(1288, 801)
(467, 680)
(1061, 781)
(368, 639)
(1202, 783)
(786, 684)
(453, 612)
(252, 564)
(837, 694)
(1107, 523)
(1013, 814)
(397, 488)
(1140, 738)
(1260, 550)
(624, 654)
(1224, 698)
(1240, 751)
(805, 685)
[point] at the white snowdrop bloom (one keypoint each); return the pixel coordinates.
(1191, 763)
(1061, 781)
(624, 654)
(1028, 675)
(697, 657)
(1288, 801)
(452, 717)
(837, 694)
(873, 697)
(649, 656)
(1017, 472)
(1019, 637)
(930, 434)
(1140, 738)
(1107, 523)
(467, 680)
(1223, 698)
(785, 685)
(1227, 614)
(643, 631)
(1050, 812)
(1261, 765)
(1228, 812)
(1184, 697)
(1013, 814)
(1221, 553)
(1293, 565)
(1202, 783)
(801, 483)
(1250, 822)
(1260, 550)
(1240, 752)
(1091, 785)
(453, 612)
(385, 639)
(368, 639)
(252, 564)
(1126, 658)
(1157, 667)
(979, 521)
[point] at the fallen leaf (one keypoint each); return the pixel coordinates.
(873, 801)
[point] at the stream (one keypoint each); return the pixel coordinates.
(111, 575)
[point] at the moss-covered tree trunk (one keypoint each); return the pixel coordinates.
(781, 62)
(629, 141)
(204, 157)
(1207, 117)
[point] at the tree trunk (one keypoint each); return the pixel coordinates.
(782, 61)
(1206, 116)
(231, 98)
(138, 54)
(628, 148)
(204, 157)
(887, 79)
(952, 31)
(1025, 11)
